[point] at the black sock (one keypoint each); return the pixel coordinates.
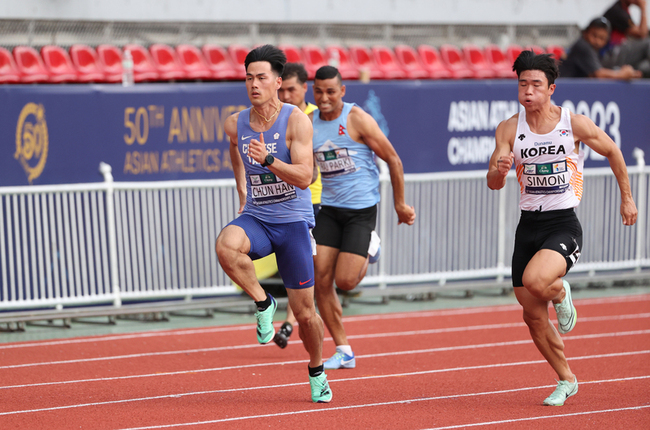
(263, 305)
(315, 371)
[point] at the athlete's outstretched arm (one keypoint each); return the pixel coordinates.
(591, 135)
(299, 141)
(502, 157)
(364, 125)
(230, 127)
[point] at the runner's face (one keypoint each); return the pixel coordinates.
(328, 94)
(534, 90)
(261, 83)
(292, 91)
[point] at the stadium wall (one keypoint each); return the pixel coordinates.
(59, 134)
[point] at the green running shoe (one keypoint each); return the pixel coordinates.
(265, 329)
(566, 312)
(564, 390)
(320, 389)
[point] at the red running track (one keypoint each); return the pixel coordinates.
(442, 369)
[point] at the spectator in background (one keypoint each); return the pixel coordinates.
(628, 43)
(622, 25)
(583, 60)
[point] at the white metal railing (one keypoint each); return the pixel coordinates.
(110, 242)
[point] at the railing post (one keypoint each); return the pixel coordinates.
(641, 203)
(384, 208)
(501, 234)
(106, 170)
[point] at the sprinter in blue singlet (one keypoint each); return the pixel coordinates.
(346, 140)
(271, 152)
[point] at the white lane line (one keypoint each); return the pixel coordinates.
(402, 315)
(408, 401)
(275, 387)
(515, 420)
(382, 335)
(424, 372)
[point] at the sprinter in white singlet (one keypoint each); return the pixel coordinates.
(543, 141)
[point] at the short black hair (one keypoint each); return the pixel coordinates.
(328, 72)
(297, 70)
(600, 22)
(270, 54)
(528, 60)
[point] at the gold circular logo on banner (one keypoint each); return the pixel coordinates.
(32, 140)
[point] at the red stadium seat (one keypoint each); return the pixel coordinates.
(30, 65)
(339, 57)
(220, 63)
(314, 57)
(110, 57)
(166, 61)
(363, 59)
(512, 52)
(558, 52)
(193, 63)
(431, 61)
(144, 68)
(85, 60)
(410, 61)
(477, 63)
(9, 73)
(238, 55)
(387, 62)
(292, 52)
(497, 58)
(58, 62)
(453, 58)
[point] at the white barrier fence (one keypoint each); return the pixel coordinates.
(109, 243)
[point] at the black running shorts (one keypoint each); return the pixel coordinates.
(558, 230)
(347, 230)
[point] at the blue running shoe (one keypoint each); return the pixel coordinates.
(320, 389)
(340, 360)
(265, 329)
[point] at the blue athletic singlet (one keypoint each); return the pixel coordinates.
(348, 170)
(268, 197)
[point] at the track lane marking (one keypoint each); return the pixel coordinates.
(515, 420)
(401, 315)
(248, 346)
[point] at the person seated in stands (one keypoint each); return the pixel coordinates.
(623, 27)
(584, 61)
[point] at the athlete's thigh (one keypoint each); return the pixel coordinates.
(257, 237)
(546, 266)
(349, 265)
(293, 251)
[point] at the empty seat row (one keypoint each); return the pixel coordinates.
(83, 63)
(162, 62)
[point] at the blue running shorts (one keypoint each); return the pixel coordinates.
(292, 244)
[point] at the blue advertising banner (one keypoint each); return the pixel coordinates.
(57, 134)
(450, 125)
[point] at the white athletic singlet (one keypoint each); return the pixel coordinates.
(548, 170)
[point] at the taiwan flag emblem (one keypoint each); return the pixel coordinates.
(341, 130)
